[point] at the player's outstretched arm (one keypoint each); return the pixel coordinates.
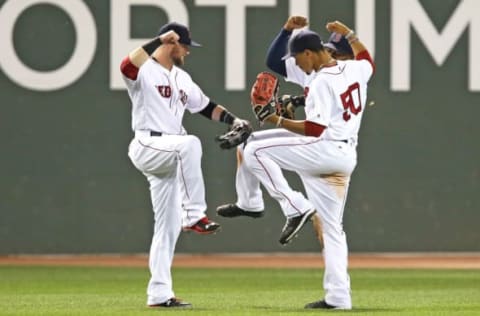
(239, 130)
(302, 127)
(219, 113)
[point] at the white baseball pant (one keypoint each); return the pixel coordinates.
(172, 166)
(325, 168)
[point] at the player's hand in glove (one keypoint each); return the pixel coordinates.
(287, 104)
(239, 131)
(263, 96)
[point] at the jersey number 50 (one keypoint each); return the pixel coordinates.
(350, 100)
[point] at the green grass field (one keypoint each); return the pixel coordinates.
(121, 291)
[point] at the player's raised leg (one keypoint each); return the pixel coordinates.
(249, 194)
(266, 159)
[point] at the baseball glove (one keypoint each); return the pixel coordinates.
(287, 105)
(263, 96)
(238, 134)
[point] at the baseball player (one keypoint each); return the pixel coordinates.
(320, 149)
(340, 49)
(160, 92)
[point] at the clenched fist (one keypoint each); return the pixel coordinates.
(295, 22)
(337, 27)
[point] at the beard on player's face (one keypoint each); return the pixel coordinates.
(179, 53)
(178, 61)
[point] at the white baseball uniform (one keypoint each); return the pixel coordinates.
(335, 98)
(171, 162)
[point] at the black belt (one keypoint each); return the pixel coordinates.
(153, 133)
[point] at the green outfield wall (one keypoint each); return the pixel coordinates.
(67, 186)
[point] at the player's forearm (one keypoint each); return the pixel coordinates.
(138, 57)
(131, 64)
(359, 50)
(305, 127)
(291, 125)
(141, 54)
(219, 113)
(352, 38)
(357, 47)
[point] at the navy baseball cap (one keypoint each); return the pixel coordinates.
(305, 39)
(339, 43)
(181, 30)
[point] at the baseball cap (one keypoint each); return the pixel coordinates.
(339, 43)
(305, 39)
(181, 30)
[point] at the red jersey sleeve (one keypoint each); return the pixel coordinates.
(313, 129)
(365, 55)
(128, 69)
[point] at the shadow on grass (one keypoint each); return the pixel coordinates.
(361, 310)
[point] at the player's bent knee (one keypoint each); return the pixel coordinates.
(249, 153)
(192, 146)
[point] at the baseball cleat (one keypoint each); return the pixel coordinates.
(173, 302)
(323, 305)
(231, 210)
(204, 227)
(293, 226)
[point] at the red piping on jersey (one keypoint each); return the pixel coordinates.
(128, 69)
(365, 55)
(313, 129)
